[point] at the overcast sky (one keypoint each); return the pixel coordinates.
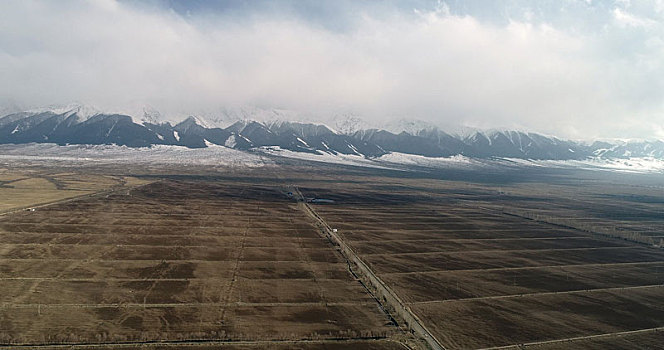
(578, 69)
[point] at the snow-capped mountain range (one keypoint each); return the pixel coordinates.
(77, 124)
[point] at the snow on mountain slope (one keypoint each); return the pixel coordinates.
(652, 149)
(432, 147)
(411, 126)
(84, 112)
(229, 116)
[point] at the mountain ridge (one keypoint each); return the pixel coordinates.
(80, 125)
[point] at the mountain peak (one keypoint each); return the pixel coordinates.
(192, 121)
(82, 111)
(410, 126)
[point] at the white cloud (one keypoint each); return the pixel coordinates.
(434, 66)
(624, 3)
(626, 19)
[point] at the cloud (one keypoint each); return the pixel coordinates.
(626, 19)
(431, 64)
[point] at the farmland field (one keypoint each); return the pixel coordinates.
(28, 187)
(179, 260)
(479, 276)
(234, 261)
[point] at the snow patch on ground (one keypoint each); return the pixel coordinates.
(402, 161)
(632, 165)
(431, 162)
(216, 155)
(111, 154)
(324, 157)
(394, 160)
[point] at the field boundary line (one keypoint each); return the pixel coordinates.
(388, 296)
(174, 279)
(656, 262)
(465, 230)
(157, 246)
(152, 260)
(525, 295)
(10, 305)
(445, 240)
(131, 225)
(455, 252)
(193, 342)
(572, 339)
(55, 233)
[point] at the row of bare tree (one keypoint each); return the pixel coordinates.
(615, 232)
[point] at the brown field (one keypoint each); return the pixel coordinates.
(372, 344)
(479, 277)
(641, 341)
(229, 261)
(179, 260)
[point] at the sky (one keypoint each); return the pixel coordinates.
(583, 69)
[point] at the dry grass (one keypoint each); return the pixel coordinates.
(24, 188)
